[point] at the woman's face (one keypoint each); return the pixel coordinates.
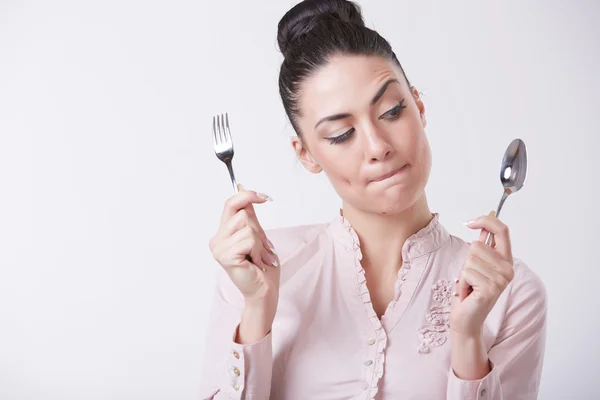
(364, 126)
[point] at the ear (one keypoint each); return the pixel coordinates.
(420, 105)
(304, 156)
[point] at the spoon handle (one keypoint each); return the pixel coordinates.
(490, 236)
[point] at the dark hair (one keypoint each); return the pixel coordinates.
(313, 31)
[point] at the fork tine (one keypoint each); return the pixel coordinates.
(215, 136)
(222, 129)
(227, 131)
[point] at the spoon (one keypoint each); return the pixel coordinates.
(512, 174)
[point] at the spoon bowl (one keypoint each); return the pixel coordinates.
(513, 173)
(514, 166)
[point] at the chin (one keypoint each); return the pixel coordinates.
(393, 200)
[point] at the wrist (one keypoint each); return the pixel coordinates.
(469, 356)
(257, 320)
(467, 336)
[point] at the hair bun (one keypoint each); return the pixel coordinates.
(304, 16)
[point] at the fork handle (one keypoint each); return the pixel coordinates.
(232, 176)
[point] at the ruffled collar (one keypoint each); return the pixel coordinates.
(423, 242)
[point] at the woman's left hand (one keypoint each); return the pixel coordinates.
(486, 272)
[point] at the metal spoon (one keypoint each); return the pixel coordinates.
(512, 174)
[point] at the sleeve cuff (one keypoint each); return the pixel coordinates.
(486, 388)
(248, 369)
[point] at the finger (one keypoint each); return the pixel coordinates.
(488, 271)
(260, 256)
(249, 218)
(235, 254)
(252, 213)
(252, 219)
(481, 266)
(481, 251)
(267, 253)
(269, 258)
(469, 278)
(463, 288)
(250, 207)
(234, 249)
(498, 229)
(483, 236)
(228, 249)
(242, 200)
(269, 245)
(249, 265)
(474, 278)
(240, 220)
(256, 255)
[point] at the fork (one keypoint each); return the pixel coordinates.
(223, 144)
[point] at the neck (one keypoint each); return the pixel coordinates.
(382, 236)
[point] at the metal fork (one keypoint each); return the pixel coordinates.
(223, 144)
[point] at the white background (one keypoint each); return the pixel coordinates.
(110, 191)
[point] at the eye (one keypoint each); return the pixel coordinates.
(394, 112)
(341, 138)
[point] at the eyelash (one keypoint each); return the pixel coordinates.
(393, 114)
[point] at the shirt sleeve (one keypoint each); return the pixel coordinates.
(517, 355)
(233, 371)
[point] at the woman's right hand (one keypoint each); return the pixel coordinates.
(245, 252)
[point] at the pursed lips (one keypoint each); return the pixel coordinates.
(388, 174)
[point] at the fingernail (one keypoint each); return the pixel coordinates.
(492, 213)
(275, 263)
(264, 196)
(455, 294)
(271, 247)
(240, 187)
(468, 222)
(456, 280)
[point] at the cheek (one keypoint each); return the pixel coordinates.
(339, 166)
(413, 148)
(412, 141)
(426, 157)
(423, 158)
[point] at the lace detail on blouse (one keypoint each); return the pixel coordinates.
(435, 333)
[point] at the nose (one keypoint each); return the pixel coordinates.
(378, 146)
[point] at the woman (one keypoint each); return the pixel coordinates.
(380, 303)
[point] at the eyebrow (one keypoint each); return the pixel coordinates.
(376, 98)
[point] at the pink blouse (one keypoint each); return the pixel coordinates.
(328, 343)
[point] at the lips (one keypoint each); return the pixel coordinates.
(388, 174)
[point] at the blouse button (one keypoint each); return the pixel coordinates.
(371, 342)
(236, 354)
(236, 371)
(236, 387)
(368, 362)
(483, 392)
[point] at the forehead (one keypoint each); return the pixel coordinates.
(345, 83)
